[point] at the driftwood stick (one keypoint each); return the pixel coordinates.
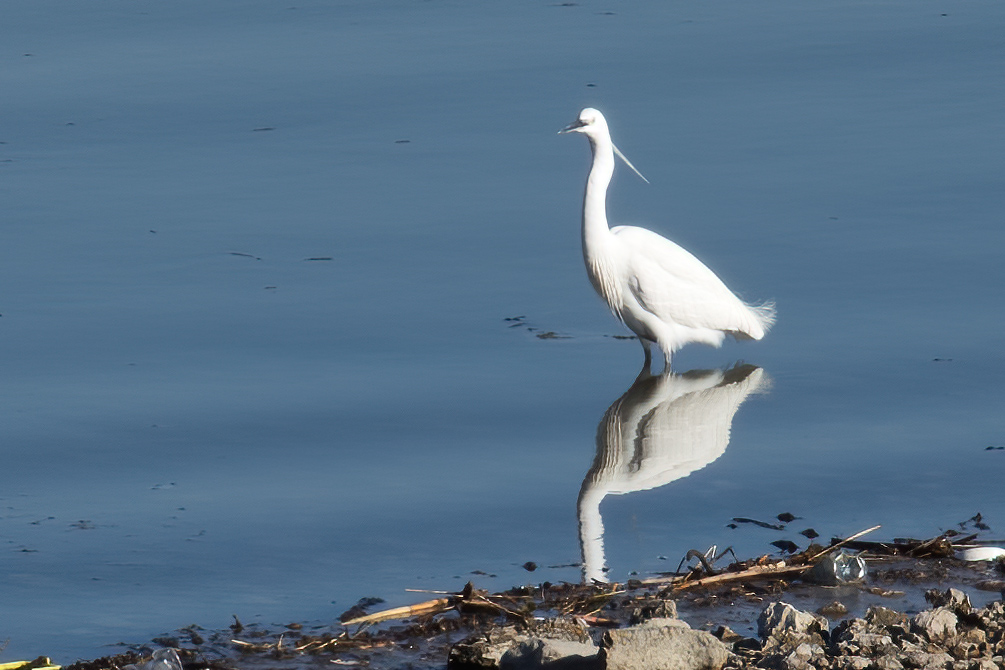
(477, 601)
(438, 605)
(842, 543)
(758, 571)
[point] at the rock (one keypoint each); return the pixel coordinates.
(968, 645)
(852, 663)
(888, 662)
(882, 616)
(953, 599)
(746, 644)
(937, 625)
(549, 654)
(849, 629)
(834, 609)
(662, 644)
(547, 640)
(479, 652)
(789, 634)
(778, 618)
(805, 657)
(727, 634)
(658, 609)
(846, 648)
(992, 617)
(920, 659)
(875, 643)
(911, 648)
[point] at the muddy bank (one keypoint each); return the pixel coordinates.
(926, 610)
(642, 631)
(952, 634)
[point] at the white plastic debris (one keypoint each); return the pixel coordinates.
(843, 567)
(162, 659)
(980, 554)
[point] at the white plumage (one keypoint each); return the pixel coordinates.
(659, 290)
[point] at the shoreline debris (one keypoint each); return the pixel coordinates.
(614, 625)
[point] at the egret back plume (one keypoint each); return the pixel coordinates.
(620, 155)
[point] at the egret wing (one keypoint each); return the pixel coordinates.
(670, 282)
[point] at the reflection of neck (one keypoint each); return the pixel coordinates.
(591, 532)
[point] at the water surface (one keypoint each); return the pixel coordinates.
(256, 263)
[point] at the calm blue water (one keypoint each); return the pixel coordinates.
(197, 420)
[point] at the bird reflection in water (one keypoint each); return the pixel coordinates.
(662, 429)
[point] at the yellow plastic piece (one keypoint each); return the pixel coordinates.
(40, 663)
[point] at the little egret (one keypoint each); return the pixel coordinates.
(659, 290)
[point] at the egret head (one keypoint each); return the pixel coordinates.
(593, 124)
(590, 122)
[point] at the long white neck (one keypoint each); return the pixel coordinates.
(595, 227)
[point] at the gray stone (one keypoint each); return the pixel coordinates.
(954, 599)
(849, 629)
(920, 659)
(874, 643)
(937, 625)
(833, 609)
(779, 618)
(804, 656)
(479, 653)
(888, 662)
(883, 616)
(902, 634)
(483, 651)
(786, 631)
(550, 654)
(993, 613)
(796, 663)
(658, 609)
(847, 648)
(852, 663)
(727, 634)
(966, 648)
(662, 644)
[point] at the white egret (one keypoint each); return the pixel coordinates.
(659, 290)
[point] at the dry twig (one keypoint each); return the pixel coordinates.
(842, 543)
(428, 607)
